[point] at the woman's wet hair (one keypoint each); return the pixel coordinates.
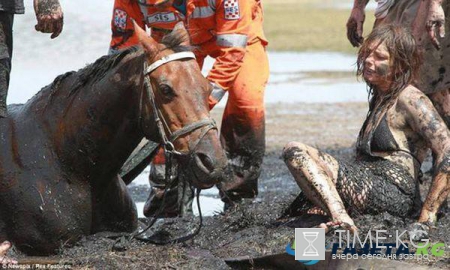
(405, 55)
(405, 60)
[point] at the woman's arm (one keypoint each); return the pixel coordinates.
(423, 118)
(355, 23)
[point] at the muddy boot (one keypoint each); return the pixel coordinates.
(153, 206)
(179, 196)
(185, 197)
(154, 203)
(242, 184)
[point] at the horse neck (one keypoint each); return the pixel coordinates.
(97, 126)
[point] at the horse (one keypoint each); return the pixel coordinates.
(62, 150)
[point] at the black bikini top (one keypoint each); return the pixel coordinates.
(382, 138)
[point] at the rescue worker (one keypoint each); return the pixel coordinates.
(49, 20)
(230, 31)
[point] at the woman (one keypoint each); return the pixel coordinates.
(400, 127)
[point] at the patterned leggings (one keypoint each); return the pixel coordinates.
(387, 186)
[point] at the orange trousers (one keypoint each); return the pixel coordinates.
(243, 126)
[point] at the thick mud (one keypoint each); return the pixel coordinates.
(253, 229)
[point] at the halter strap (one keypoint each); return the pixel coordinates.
(191, 127)
(169, 58)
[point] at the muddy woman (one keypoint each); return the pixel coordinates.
(430, 25)
(401, 125)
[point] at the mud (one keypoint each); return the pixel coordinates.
(253, 229)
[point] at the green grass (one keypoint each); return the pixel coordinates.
(303, 26)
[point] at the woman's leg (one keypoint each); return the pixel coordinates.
(316, 173)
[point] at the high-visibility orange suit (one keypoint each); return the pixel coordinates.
(231, 31)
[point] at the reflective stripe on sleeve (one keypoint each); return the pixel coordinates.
(217, 92)
(212, 4)
(232, 40)
(144, 11)
(202, 12)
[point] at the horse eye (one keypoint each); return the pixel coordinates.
(166, 90)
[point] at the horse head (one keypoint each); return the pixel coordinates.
(175, 94)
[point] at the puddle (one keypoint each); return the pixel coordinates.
(210, 202)
(209, 207)
(295, 77)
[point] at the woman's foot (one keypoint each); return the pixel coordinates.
(333, 225)
(4, 260)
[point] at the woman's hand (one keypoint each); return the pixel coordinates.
(49, 17)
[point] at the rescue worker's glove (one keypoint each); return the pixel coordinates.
(217, 93)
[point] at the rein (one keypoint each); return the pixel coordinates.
(167, 142)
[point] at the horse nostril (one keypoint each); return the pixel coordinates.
(204, 163)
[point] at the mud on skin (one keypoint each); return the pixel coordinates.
(48, 8)
(382, 70)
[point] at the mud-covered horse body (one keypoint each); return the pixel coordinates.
(62, 150)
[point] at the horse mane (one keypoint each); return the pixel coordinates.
(97, 70)
(89, 74)
(174, 41)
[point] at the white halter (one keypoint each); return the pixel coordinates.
(169, 58)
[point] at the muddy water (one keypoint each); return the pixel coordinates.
(295, 77)
(38, 60)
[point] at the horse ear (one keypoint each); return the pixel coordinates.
(149, 44)
(183, 33)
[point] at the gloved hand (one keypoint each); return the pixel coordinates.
(217, 92)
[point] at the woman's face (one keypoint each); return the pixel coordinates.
(377, 69)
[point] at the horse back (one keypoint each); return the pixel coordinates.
(37, 198)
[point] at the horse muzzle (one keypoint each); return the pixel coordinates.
(204, 171)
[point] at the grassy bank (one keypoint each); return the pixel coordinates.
(306, 25)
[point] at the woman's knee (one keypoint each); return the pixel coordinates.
(295, 152)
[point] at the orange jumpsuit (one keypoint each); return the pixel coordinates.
(231, 31)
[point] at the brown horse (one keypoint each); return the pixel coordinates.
(62, 150)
